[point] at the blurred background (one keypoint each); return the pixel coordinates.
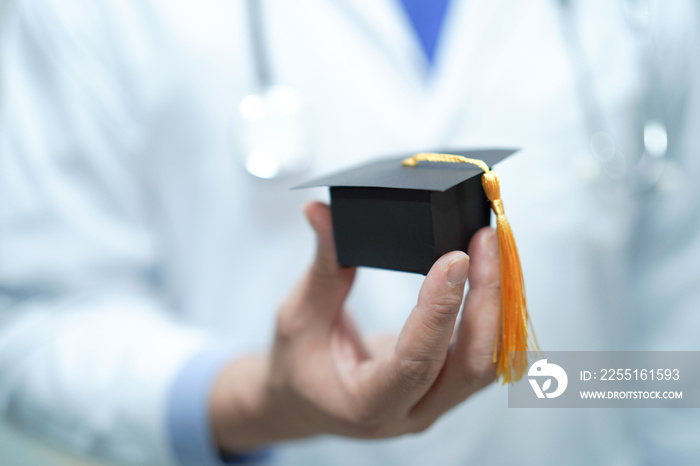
(18, 449)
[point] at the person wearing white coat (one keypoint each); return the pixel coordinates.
(132, 240)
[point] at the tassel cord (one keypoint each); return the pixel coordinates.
(514, 321)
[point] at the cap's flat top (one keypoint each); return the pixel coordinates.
(427, 176)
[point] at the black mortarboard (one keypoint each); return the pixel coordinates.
(404, 213)
(397, 217)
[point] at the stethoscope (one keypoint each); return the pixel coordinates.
(635, 172)
(272, 130)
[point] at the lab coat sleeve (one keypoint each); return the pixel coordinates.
(88, 345)
(188, 422)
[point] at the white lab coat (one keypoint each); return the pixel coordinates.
(131, 238)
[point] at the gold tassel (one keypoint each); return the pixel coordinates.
(515, 326)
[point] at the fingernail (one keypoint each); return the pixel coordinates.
(457, 270)
(491, 244)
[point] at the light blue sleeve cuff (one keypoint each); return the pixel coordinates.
(188, 408)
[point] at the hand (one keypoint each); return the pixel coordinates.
(321, 377)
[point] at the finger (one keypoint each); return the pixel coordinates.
(328, 281)
(319, 217)
(320, 296)
(482, 308)
(469, 365)
(422, 346)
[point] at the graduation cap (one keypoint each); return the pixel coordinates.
(404, 213)
(392, 216)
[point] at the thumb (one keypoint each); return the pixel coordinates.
(470, 365)
(423, 344)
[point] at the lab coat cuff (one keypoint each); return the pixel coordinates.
(188, 407)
